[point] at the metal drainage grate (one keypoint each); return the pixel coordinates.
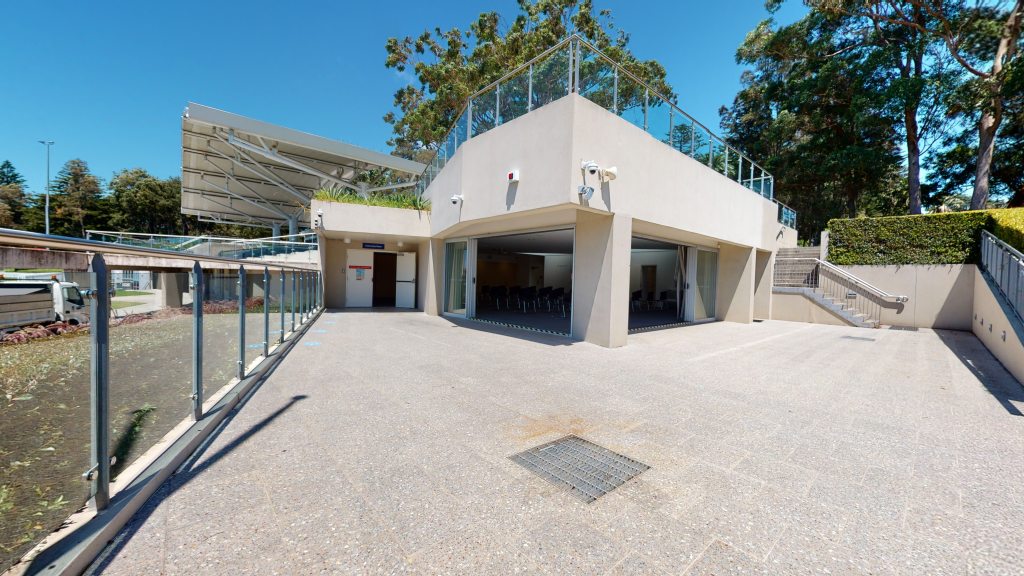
(588, 469)
(861, 338)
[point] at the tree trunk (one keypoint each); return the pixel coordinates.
(991, 118)
(987, 127)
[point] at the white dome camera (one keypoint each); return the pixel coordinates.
(456, 199)
(591, 167)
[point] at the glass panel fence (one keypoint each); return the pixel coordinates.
(597, 79)
(255, 302)
(659, 118)
(701, 144)
(220, 326)
(682, 134)
(757, 182)
(150, 335)
(514, 97)
(461, 129)
(449, 145)
(275, 305)
(630, 97)
(717, 155)
(44, 400)
(483, 112)
(551, 77)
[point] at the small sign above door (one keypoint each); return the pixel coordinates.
(373, 246)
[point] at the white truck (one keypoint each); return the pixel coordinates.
(27, 302)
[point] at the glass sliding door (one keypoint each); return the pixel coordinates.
(456, 257)
(707, 285)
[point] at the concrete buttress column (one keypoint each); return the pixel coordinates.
(764, 269)
(736, 275)
(601, 278)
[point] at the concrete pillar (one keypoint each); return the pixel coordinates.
(764, 267)
(275, 229)
(433, 301)
(172, 286)
(293, 227)
(736, 276)
(601, 278)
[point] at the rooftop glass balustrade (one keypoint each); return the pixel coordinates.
(574, 65)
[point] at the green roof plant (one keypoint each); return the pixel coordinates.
(406, 200)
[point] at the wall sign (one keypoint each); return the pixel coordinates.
(373, 246)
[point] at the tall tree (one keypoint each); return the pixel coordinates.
(77, 199)
(815, 111)
(984, 38)
(451, 65)
(12, 205)
(141, 202)
(8, 175)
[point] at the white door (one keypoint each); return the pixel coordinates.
(359, 279)
(405, 280)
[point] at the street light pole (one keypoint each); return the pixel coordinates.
(47, 143)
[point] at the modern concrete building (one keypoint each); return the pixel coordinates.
(568, 197)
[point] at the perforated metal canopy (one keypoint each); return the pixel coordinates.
(239, 170)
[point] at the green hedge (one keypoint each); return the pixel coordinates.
(947, 238)
(1008, 226)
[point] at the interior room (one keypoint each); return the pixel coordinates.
(655, 284)
(525, 280)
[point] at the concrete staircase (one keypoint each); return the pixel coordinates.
(798, 271)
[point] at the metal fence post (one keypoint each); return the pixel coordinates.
(281, 300)
(99, 379)
(529, 89)
(197, 341)
(266, 311)
(241, 322)
(647, 107)
(291, 300)
(302, 298)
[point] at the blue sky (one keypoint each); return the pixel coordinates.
(107, 81)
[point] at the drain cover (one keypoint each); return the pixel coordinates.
(588, 469)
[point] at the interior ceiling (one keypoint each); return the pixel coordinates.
(549, 242)
(239, 170)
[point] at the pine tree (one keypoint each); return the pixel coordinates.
(8, 175)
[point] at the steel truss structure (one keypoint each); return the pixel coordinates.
(237, 170)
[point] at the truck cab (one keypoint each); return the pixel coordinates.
(27, 302)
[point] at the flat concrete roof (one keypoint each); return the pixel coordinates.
(381, 444)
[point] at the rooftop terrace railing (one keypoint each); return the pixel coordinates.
(1005, 265)
(82, 399)
(574, 65)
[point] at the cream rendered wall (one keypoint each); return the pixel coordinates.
(660, 185)
(335, 260)
(798, 308)
(995, 326)
(764, 265)
(941, 296)
(735, 294)
(601, 284)
(537, 144)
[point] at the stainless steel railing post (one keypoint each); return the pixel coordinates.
(99, 380)
(241, 322)
(197, 341)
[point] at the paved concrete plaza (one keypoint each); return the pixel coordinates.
(381, 444)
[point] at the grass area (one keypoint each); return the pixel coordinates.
(119, 304)
(133, 293)
(44, 411)
(407, 200)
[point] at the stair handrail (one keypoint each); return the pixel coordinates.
(875, 290)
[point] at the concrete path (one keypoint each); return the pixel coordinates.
(381, 445)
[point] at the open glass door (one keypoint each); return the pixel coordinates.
(456, 259)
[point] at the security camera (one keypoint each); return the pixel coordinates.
(456, 199)
(591, 167)
(319, 211)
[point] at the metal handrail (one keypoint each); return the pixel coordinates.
(1004, 264)
(204, 237)
(37, 240)
(878, 292)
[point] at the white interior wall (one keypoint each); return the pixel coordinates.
(665, 260)
(558, 271)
